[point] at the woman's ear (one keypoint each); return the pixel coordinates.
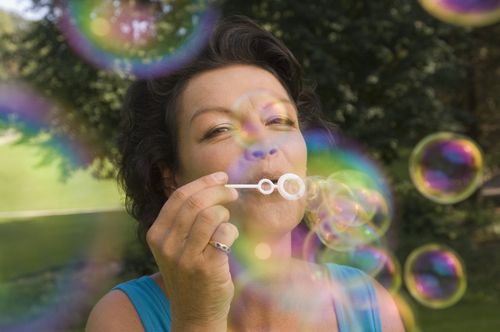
(168, 178)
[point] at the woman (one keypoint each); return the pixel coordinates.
(235, 115)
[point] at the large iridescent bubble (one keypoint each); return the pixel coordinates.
(470, 13)
(64, 279)
(276, 112)
(137, 38)
(261, 124)
(23, 107)
(446, 167)
(435, 276)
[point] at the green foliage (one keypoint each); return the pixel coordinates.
(387, 72)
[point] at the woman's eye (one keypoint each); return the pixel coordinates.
(281, 121)
(216, 131)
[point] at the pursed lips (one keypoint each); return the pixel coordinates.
(273, 176)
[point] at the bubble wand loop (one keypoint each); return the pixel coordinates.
(280, 186)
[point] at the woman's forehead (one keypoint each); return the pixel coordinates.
(223, 87)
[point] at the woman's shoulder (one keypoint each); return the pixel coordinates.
(141, 303)
(114, 312)
(130, 306)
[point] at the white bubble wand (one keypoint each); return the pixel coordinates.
(266, 186)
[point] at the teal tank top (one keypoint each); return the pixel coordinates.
(356, 308)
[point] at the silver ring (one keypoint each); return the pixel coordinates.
(221, 246)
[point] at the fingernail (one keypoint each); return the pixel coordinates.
(220, 176)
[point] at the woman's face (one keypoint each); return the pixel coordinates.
(240, 119)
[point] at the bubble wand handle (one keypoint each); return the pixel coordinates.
(260, 186)
(242, 186)
(266, 186)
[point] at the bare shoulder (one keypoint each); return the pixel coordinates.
(114, 312)
(389, 313)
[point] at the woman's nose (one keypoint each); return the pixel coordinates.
(258, 152)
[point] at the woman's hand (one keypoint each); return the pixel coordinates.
(196, 275)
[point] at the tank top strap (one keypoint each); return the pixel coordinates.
(150, 303)
(355, 302)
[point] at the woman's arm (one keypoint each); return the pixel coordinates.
(114, 312)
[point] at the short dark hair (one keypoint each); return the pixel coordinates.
(148, 133)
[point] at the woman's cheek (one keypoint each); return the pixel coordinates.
(298, 152)
(215, 158)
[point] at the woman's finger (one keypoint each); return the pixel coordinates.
(166, 216)
(196, 207)
(225, 234)
(204, 228)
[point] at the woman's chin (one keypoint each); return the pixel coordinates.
(268, 222)
(267, 218)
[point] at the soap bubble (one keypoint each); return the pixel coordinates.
(390, 275)
(470, 13)
(407, 313)
(446, 168)
(345, 216)
(435, 276)
(340, 205)
(32, 114)
(348, 202)
(370, 203)
(138, 38)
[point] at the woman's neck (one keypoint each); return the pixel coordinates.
(261, 257)
(281, 294)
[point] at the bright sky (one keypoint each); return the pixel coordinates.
(21, 7)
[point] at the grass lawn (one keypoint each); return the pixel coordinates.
(52, 263)
(465, 316)
(28, 246)
(25, 185)
(55, 266)
(40, 257)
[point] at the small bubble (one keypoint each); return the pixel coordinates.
(435, 276)
(446, 168)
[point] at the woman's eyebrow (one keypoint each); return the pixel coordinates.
(210, 109)
(281, 100)
(226, 111)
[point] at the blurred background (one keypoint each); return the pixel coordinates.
(415, 84)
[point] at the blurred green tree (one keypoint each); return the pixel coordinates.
(387, 72)
(390, 74)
